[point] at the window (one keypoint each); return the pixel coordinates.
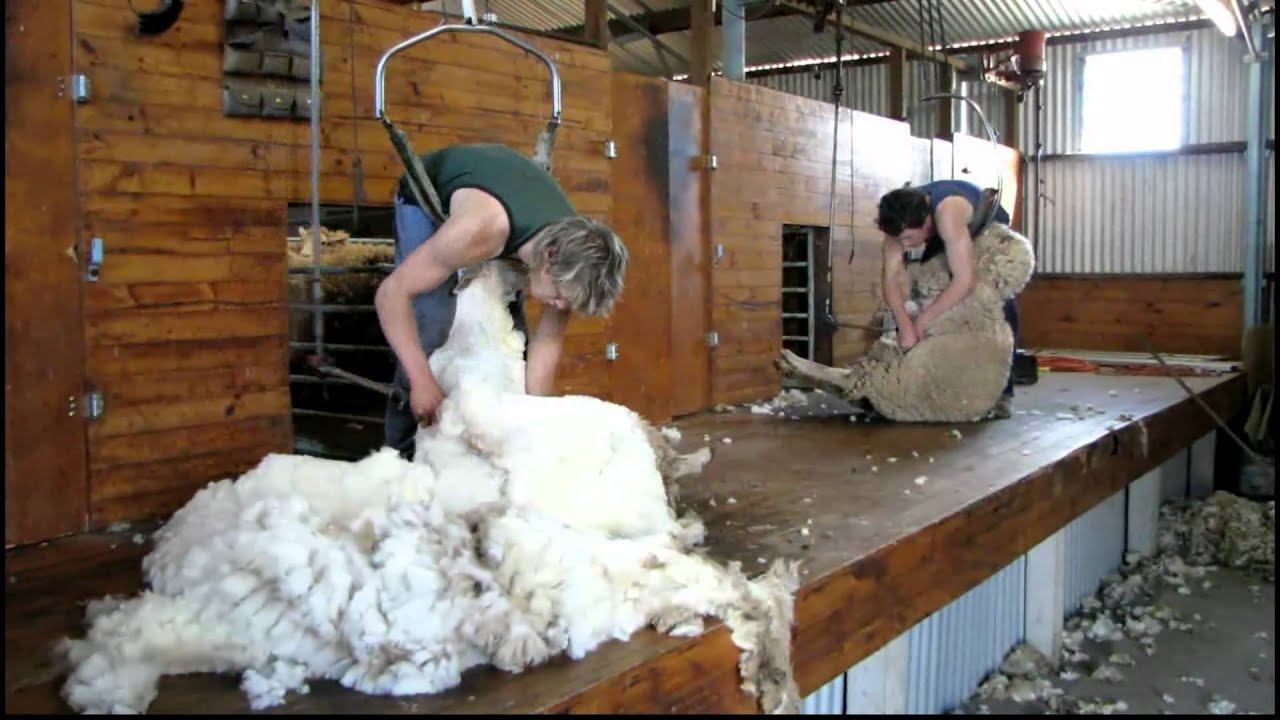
(1133, 101)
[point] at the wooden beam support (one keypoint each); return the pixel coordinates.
(702, 21)
(596, 29)
(897, 83)
(1012, 121)
(886, 37)
(946, 107)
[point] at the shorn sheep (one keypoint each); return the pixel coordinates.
(957, 371)
(524, 527)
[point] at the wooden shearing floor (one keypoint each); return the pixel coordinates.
(883, 548)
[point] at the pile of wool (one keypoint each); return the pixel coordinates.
(1226, 530)
(927, 383)
(525, 527)
(1195, 536)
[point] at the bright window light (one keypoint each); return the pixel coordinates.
(1133, 101)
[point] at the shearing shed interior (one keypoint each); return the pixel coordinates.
(639, 356)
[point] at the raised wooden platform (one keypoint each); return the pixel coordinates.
(883, 551)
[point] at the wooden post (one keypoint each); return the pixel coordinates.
(702, 24)
(897, 83)
(946, 109)
(1045, 601)
(1143, 513)
(1012, 121)
(597, 23)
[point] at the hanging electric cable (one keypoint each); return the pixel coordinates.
(837, 93)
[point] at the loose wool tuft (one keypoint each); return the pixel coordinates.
(525, 527)
(957, 371)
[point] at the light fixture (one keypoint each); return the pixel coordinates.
(1220, 14)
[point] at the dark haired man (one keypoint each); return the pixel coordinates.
(920, 223)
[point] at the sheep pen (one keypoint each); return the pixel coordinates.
(956, 372)
(498, 544)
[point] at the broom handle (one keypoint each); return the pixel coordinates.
(1194, 396)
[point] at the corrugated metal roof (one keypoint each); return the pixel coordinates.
(791, 40)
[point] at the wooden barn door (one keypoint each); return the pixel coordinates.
(45, 480)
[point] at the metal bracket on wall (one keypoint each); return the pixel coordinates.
(713, 338)
(94, 405)
(611, 351)
(80, 88)
(610, 149)
(94, 269)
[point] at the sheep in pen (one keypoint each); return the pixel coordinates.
(956, 372)
(499, 544)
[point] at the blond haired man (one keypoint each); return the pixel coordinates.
(499, 204)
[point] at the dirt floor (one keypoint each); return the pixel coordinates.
(1172, 634)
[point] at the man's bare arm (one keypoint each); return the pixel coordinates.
(544, 351)
(475, 231)
(892, 280)
(952, 222)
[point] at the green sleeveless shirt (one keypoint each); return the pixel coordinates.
(529, 194)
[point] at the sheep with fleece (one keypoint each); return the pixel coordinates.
(956, 372)
(524, 528)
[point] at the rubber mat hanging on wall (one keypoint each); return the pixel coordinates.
(266, 59)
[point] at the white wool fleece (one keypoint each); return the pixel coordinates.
(524, 528)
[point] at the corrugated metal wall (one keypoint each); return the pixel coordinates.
(826, 700)
(1095, 546)
(1173, 214)
(1155, 214)
(952, 650)
(867, 89)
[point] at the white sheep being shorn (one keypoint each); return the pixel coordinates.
(525, 527)
(957, 372)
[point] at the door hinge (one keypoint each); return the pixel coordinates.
(94, 269)
(611, 351)
(80, 87)
(706, 162)
(610, 149)
(94, 405)
(713, 338)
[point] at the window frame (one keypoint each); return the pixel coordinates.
(1184, 127)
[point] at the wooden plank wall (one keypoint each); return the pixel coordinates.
(690, 260)
(1179, 313)
(187, 330)
(44, 452)
(641, 377)
(774, 152)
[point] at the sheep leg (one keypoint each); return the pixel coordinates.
(816, 375)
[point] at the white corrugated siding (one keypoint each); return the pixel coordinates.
(826, 700)
(1170, 214)
(952, 650)
(1095, 546)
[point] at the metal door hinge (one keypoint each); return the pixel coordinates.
(713, 338)
(610, 149)
(611, 351)
(94, 269)
(80, 87)
(706, 162)
(94, 405)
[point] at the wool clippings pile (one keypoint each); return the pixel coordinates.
(525, 527)
(1195, 537)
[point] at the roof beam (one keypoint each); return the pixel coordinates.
(661, 22)
(884, 37)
